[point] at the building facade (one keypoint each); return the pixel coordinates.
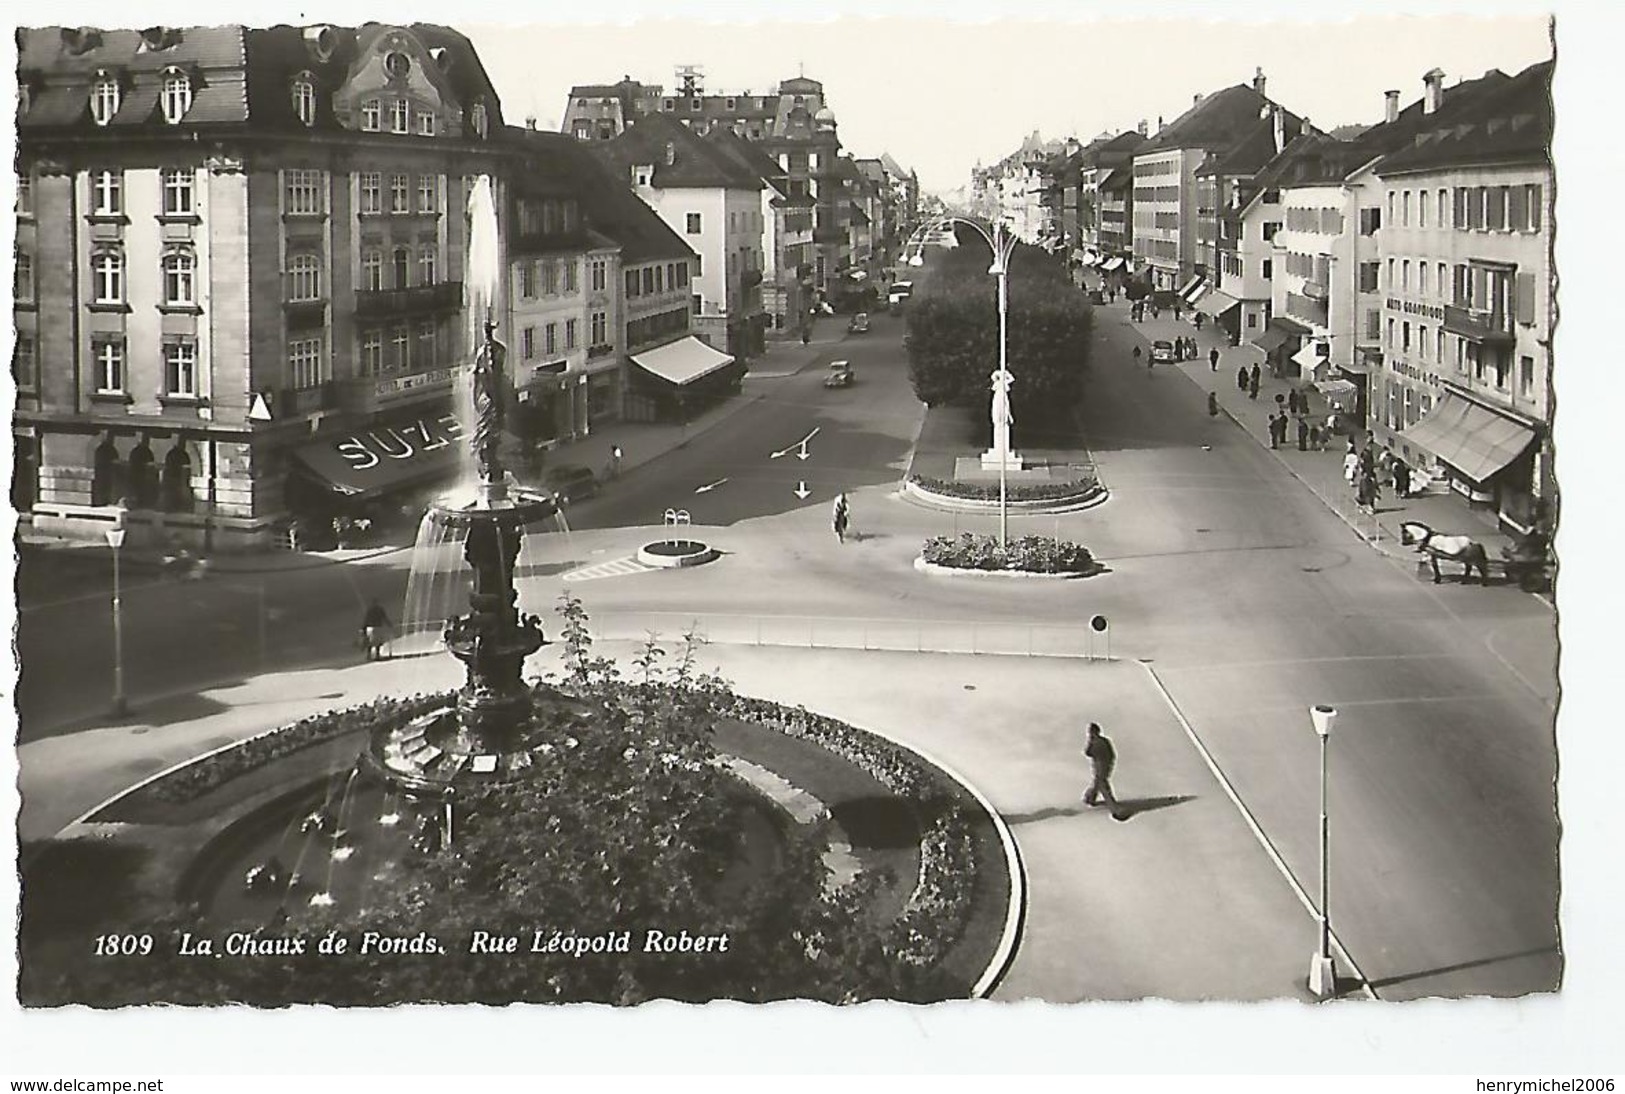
(241, 268)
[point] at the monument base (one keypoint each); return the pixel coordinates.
(993, 459)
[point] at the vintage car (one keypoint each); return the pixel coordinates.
(840, 375)
(899, 294)
(571, 482)
(1162, 352)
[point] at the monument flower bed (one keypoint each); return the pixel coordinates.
(1083, 487)
(1029, 554)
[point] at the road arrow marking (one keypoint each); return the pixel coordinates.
(801, 445)
(802, 491)
(709, 486)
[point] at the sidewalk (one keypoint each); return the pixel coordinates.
(1321, 472)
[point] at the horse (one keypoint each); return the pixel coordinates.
(1463, 549)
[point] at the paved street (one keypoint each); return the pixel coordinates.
(1247, 596)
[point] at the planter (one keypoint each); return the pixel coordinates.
(672, 553)
(925, 567)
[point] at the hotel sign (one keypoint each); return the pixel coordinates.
(416, 382)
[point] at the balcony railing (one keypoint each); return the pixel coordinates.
(1478, 326)
(1314, 290)
(447, 296)
(291, 402)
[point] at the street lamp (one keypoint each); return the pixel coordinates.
(115, 540)
(1001, 242)
(1322, 970)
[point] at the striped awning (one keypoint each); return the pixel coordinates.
(1216, 303)
(1473, 439)
(1191, 287)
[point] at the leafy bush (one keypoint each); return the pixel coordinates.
(1029, 554)
(989, 491)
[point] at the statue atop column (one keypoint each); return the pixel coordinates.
(488, 406)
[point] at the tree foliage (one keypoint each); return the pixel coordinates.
(953, 334)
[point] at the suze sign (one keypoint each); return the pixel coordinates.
(363, 451)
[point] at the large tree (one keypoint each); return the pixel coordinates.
(953, 334)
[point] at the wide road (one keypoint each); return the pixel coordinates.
(1249, 599)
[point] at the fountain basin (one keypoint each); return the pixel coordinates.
(672, 553)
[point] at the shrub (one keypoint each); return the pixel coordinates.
(989, 491)
(1029, 554)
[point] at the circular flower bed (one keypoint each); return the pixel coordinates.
(1029, 554)
(1076, 490)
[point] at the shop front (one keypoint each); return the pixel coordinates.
(682, 378)
(1224, 310)
(1488, 454)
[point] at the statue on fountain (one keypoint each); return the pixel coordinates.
(488, 405)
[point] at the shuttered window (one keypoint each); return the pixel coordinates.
(1460, 222)
(1532, 196)
(1525, 288)
(1496, 208)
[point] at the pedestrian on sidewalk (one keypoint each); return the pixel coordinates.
(1241, 379)
(841, 516)
(375, 629)
(1315, 440)
(1252, 383)
(1402, 478)
(1213, 358)
(1198, 322)
(1212, 405)
(1273, 443)
(1303, 434)
(1102, 761)
(1351, 464)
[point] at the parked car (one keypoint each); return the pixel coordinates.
(859, 323)
(899, 294)
(571, 482)
(1096, 296)
(1162, 352)
(840, 375)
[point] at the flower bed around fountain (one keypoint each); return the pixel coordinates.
(1031, 556)
(631, 833)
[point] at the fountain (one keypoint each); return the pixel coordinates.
(498, 723)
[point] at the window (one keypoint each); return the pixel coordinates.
(428, 193)
(180, 278)
(401, 345)
(372, 192)
(25, 194)
(106, 193)
(1422, 341)
(550, 339)
(426, 265)
(397, 64)
(305, 278)
(400, 193)
(1405, 337)
(550, 278)
(671, 275)
(372, 270)
(372, 353)
(600, 328)
(1391, 344)
(304, 98)
(107, 276)
(478, 120)
(1392, 197)
(176, 99)
(1267, 269)
(1369, 272)
(572, 276)
(660, 280)
(425, 123)
(372, 116)
(527, 280)
(597, 274)
(648, 280)
(1438, 345)
(426, 344)
(1495, 207)
(23, 284)
(178, 193)
(570, 326)
(1421, 208)
(682, 274)
(693, 224)
(1440, 282)
(402, 261)
(1443, 219)
(109, 361)
(1405, 275)
(104, 98)
(400, 119)
(1526, 375)
(1422, 278)
(180, 368)
(304, 193)
(24, 364)
(305, 363)
(527, 343)
(1405, 209)
(631, 278)
(1391, 282)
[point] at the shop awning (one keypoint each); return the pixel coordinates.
(1270, 339)
(1189, 289)
(1112, 263)
(373, 461)
(1340, 393)
(1289, 326)
(683, 361)
(1216, 303)
(1470, 438)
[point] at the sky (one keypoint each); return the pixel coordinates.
(941, 95)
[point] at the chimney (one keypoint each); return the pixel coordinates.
(1196, 100)
(1279, 121)
(1390, 109)
(1141, 128)
(530, 121)
(1258, 80)
(1159, 123)
(1433, 90)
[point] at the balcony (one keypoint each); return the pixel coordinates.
(1314, 290)
(825, 236)
(291, 402)
(1487, 327)
(420, 300)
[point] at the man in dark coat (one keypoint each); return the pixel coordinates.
(1102, 760)
(1213, 358)
(1252, 383)
(1241, 378)
(1303, 434)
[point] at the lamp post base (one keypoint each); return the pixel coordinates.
(1322, 976)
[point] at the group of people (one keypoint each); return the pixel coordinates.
(1367, 470)
(1247, 380)
(1294, 406)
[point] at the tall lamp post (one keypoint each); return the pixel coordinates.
(1322, 969)
(115, 540)
(1001, 242)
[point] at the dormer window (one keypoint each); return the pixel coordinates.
(643, 175)
(104, 98)
(671, 153)
(399, 116)
(426, 124)
(304, 98)
(397, 64)
(177, 95)
(372, 116)
(478, 120)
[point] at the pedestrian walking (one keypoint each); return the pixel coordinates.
(841, 516)
(1303, 434)
(1241, 379)
(1102, 761)
(1273, 442)
(1198, 322)
(1402, 478)
(1315, 441)
(1252, 384)
(1136, 356)
(375, 628)
(1212, 405)
(1213, 358)
(1351, 464)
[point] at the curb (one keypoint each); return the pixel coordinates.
(947, 502)
(925, 567)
